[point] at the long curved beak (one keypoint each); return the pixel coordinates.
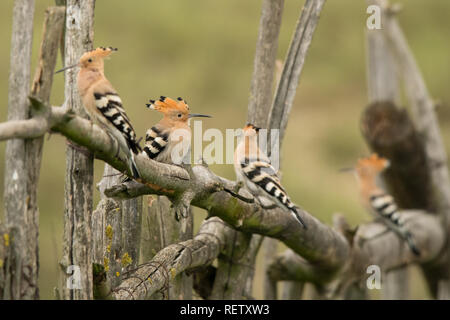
(346, 169)
(66, 68)
(192, 115)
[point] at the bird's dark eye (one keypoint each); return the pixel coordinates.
(179, 115)
(89, 60)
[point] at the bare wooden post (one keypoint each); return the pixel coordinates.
(152, 230)
(116, 235)
(131, 229)
(161, 229)
(33, 147)
(271, 245)
(383, 86)
(5, 253)
(236, 267)
(112, 228)
(106, 236)
(41, 89)
(293, 65)
(382, 72)
(77, 249)
(270, 252)
(292, 290)
(264, 62)
(21, 282)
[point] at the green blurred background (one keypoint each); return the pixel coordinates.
(203, 51)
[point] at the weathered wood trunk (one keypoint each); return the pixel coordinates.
(161, 229)
(292, 290)
(77, 251)
(270, 252)
(293, 65)
(235, 267)
(264, 62)
(21, 216)
(116, 229)
(26, 236)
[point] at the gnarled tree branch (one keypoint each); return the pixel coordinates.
(158, 273)
(212, 193)
(373, 244)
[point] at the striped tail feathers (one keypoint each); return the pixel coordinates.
(294, 210)
(412, 243)
(384, 205)
(133, 149)
(134, 146)
(133, 167)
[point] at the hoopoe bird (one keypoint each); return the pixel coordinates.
(173, 129)
(254, 169)
(104, 105)
(379, 203)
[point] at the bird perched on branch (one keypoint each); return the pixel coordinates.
(104, 105)
(379, 203)
(169, 140)
(253, 168)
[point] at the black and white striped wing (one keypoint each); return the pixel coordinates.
(110, 106)
(261, 173)
(264, 175)
(155, 142)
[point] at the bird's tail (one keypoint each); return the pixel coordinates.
(133, 167)
(411, 243)
(134, 146)
(294, 211)
(133, 149)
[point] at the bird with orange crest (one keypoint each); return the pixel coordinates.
(103, 104)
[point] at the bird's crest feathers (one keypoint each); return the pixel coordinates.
(100, 52)
(250, 126)
(165, 104)
(374, 162)
(250, 130)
